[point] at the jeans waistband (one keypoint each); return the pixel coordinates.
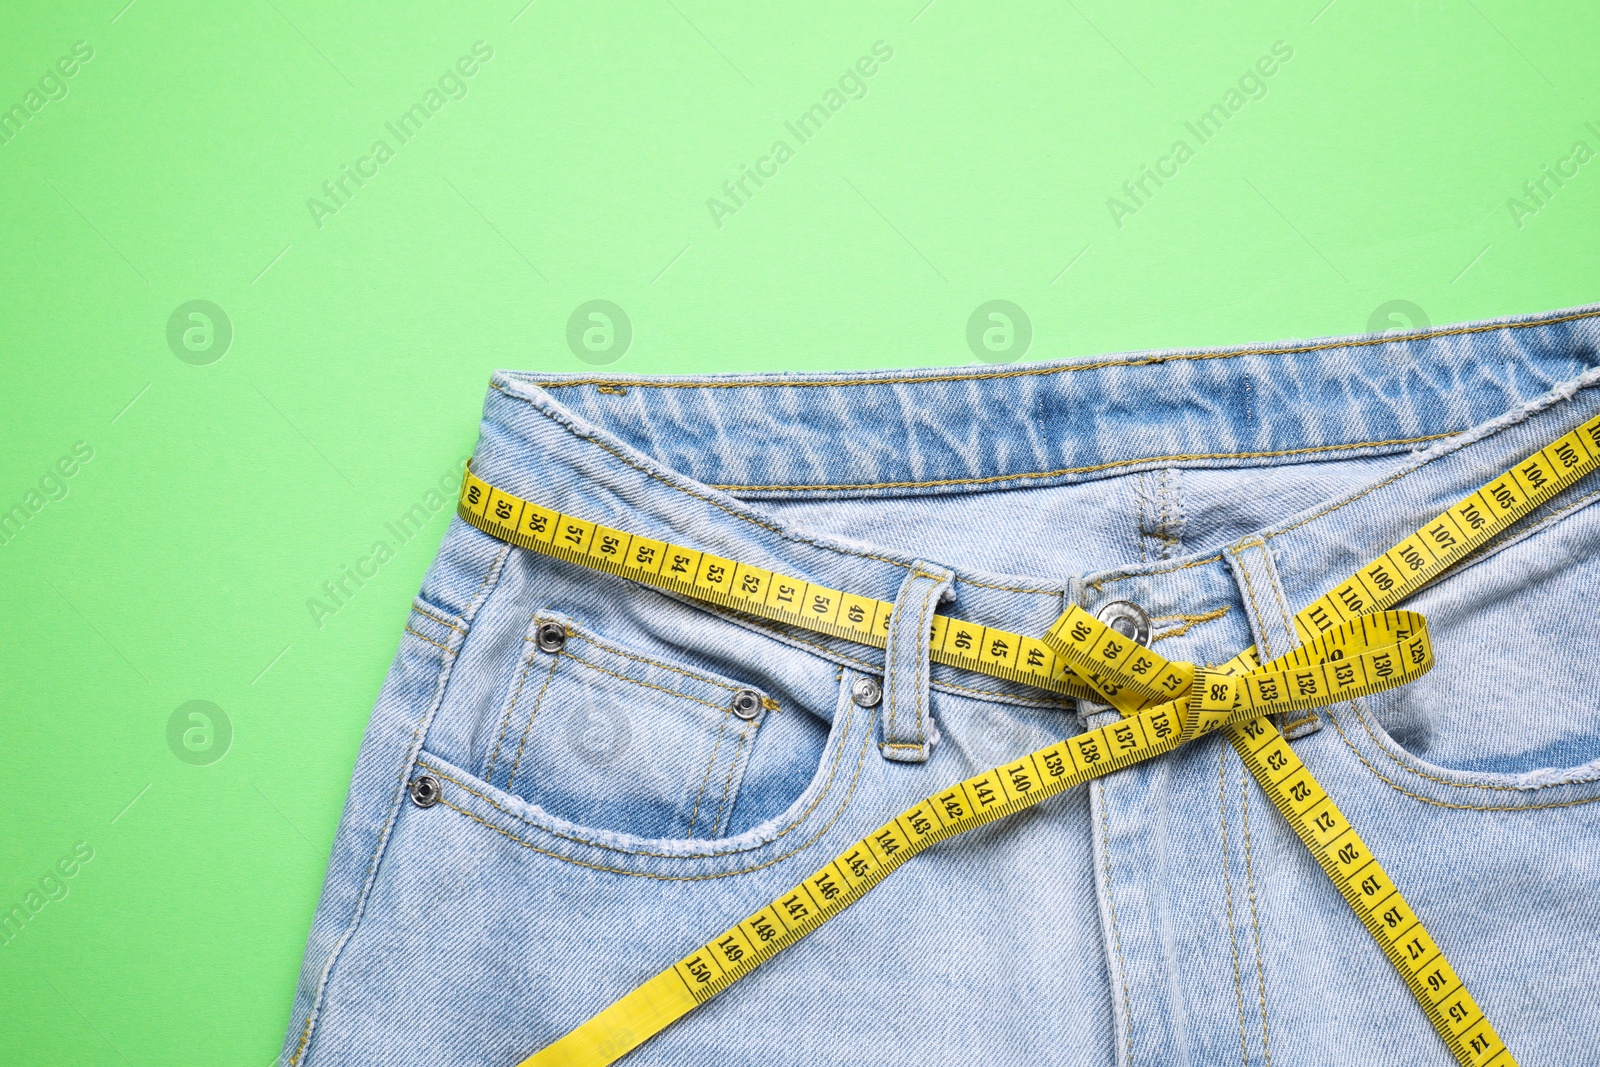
(692, 459)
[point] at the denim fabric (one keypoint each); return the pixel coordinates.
(1163, 915)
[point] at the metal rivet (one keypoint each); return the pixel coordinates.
(425, 791)
(551, 636)
(1127, 618)
(747, 704)
(866, 692)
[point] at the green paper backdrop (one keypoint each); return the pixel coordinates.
(260, 258)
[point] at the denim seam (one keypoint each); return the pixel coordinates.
(1111, 906)
(1255, 918)
(430, 640)
(1187, 622)
(442, 622)
(798, 819)
(1554, 518)
(1286, 622)
(1139, 523)
(511, 710)
(446, 662)
(860, 762)
(1465, 785)
(893, 674)
(694, 675)
(1361, 715)
(1504, 422)
(1512, 418)
(720, 826)
(1255, 606)
(705, 779)
(1227, 897)
(538, 702)
(1004, 588)
(891, 669)
(491, 578)
(1099, 583)
(723, 708)
(1286, 350)
(923, 668)
(1181, 457)
(787, 535)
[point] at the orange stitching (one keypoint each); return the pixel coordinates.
(1005, 588)
(722, 728)
(1287, 350)
(727, 786)
(1285, 616)
(648, 685)
(1361, 716)
(1098, 583)
(1255, 919)
(1289, 726)
(1227, 896)
(1464, 785)
(1179, 458)
(1250, 590)
(826, 789)
(430, 641)
(585, 635)
(787, 535)
(861, 761)
(1189, 622)
(538, 702)
(442, 622)
(1285, 619)
(494, 757)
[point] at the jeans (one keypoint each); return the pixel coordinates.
(604, 809)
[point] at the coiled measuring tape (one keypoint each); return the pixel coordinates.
(1353, 645)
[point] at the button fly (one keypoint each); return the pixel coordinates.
(425, 791)
(866, 692)
(550, 637)
(747, 704)
(1127, 618)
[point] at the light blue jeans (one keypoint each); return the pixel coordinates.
(603, 810)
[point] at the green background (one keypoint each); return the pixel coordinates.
(227, 484)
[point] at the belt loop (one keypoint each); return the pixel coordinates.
(908, 732)
(1270, 621)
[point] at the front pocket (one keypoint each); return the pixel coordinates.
(1512, 700)
(605, 737)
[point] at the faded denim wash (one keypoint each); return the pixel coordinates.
(603, 812)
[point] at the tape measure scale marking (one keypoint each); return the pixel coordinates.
(755, 590)
(1211, 701)
(1126, 677)
(1458, 531)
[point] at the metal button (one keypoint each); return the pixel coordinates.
(747, 704)
(551, 636)
(1127, 618)
(866, 692)
(425, 791)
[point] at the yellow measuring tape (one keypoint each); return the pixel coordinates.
(1352, 646)
(756, 590)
